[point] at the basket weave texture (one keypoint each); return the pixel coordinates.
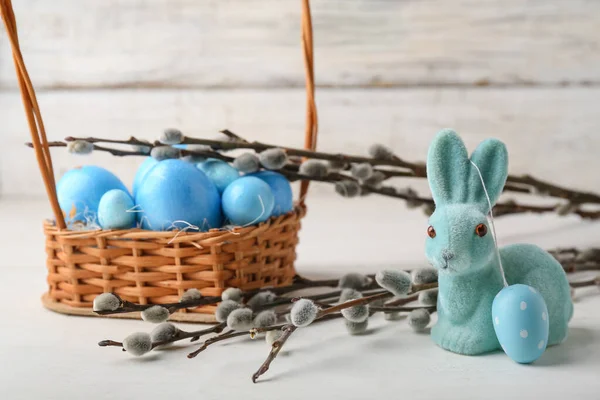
(158, 267)
(148, 267)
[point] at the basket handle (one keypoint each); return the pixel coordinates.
(312, 126)
(32, 112)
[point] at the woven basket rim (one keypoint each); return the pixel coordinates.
(210, 237)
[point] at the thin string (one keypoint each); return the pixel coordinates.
(487, 196)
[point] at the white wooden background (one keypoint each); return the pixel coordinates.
(394, 72)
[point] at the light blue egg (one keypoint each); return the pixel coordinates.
(281, 188)
(142, 170)
(80, 189)
(521, 321)
(114, 210)
(247, 201)
(174, 190)
(220, 172)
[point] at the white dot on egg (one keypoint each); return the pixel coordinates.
(532, 289)
(524, 333)
(497, 321)
(544, 316)
(541, 344)
(523, 305)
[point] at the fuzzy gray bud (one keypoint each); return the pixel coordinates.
(155, 314)
(303, 312)
(391, 316)
(565, 209)
(224, 309)
(347, 188)
(337, 165)
(428, 297)
(411, 197)
(163, 332)
(314, 169)
(375, 179)
(349, 294)
(419, 319)
(161, 153)
(381, 152)
(273, 158)
(80, 147)
(357, 313)
(233, 294)
(247, 163)
(354, 280)
(362, 171)
(272, 336)
(357, 328)
(397, 282)
(191, 295)
(587, 255)
(264, 319)
(240, 319)
(421, 276)
(428, 209)
(138, 344)
(171, 136)
(106, 302)
(194, 158)
(260, 299)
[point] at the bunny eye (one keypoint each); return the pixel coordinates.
(431, 232)
(481, 230)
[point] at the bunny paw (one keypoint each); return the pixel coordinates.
(464, 340)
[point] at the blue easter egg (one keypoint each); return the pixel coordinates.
(114, 210)
(142, 170)
(247, 201)
(281, 188)
(80, 189)
(220, 172)
(521, 321)
(174, 190)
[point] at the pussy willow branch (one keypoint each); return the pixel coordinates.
(522, 184)
(291, 172)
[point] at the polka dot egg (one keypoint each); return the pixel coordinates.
(520, 318)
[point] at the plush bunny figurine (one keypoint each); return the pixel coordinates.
(460, 245)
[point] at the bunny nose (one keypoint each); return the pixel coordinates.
(447, 255)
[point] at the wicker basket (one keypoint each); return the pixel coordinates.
(150, 267)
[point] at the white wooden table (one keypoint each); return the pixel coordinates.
(50, 356)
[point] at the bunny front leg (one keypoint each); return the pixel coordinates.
(471, 337)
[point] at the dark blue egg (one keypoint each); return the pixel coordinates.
(80, 189)
(174, 190)
(220, 172)
(247, 201)
(281, 188)
(142, 170)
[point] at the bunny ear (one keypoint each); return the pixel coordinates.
(491, 158)
(448, 168)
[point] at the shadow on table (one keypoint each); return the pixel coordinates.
(579, 347)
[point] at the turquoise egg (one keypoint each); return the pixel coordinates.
(80, 189)
(247, 201)
(114, 210)
(220, 172)
(142, 170)
(281, 188)
(521, 322)
(174, 190)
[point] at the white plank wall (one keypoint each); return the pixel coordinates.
(387, 71)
